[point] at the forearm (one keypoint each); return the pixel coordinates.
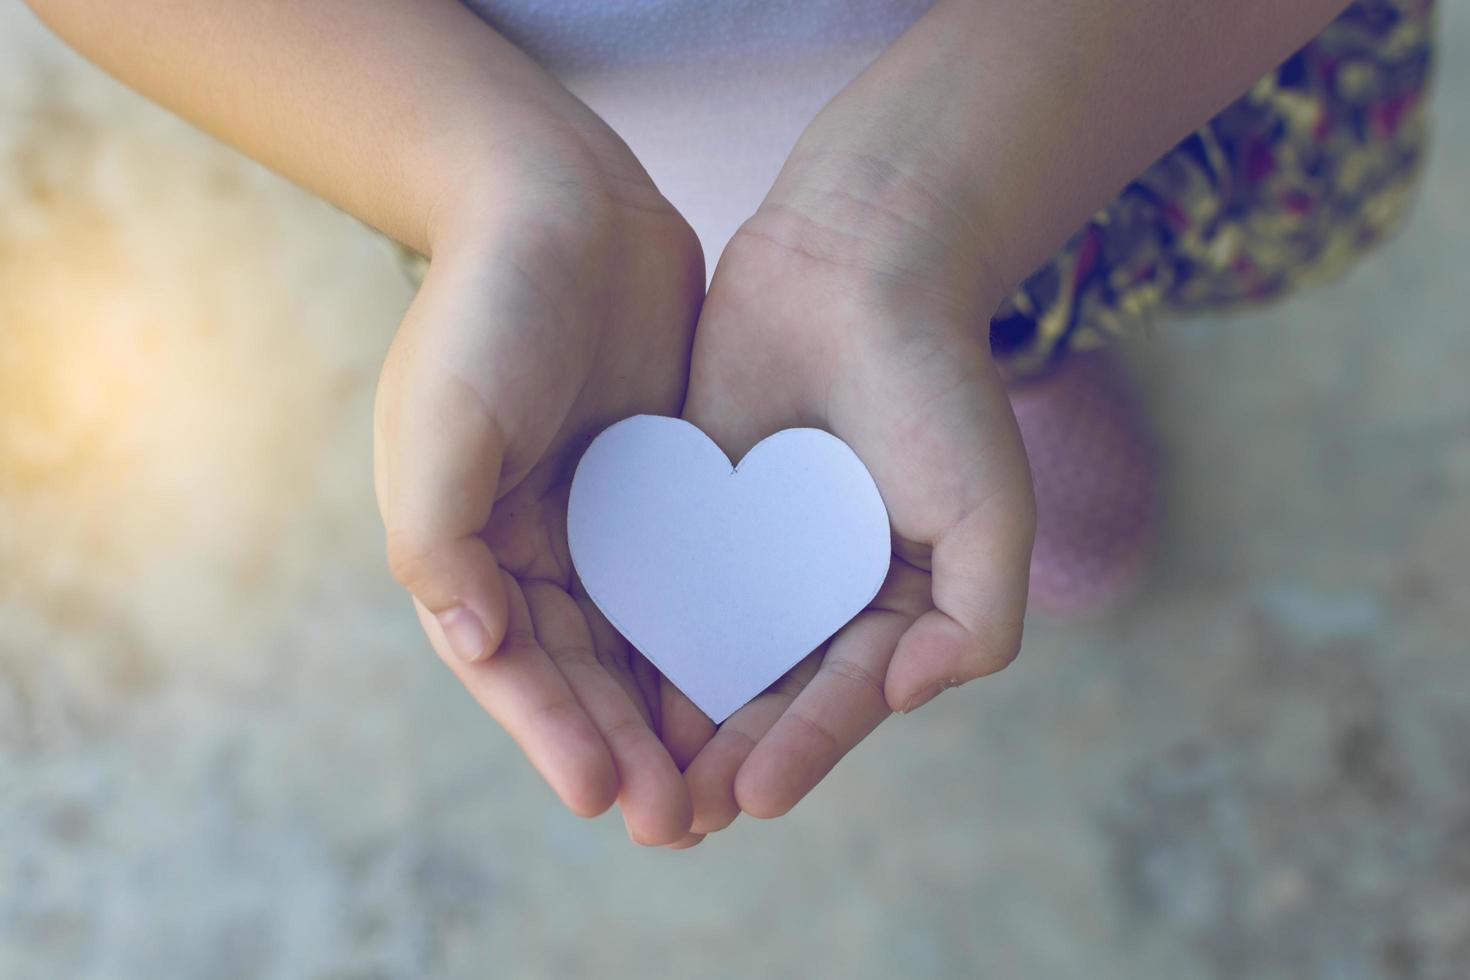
(1023, 117)
(385, 107)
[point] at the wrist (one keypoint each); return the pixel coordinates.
(566, 176)
(915, 142)
(909, 234)
(490, 185)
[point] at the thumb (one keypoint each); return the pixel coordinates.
(436, 459)
(980, 560)
(979, 584)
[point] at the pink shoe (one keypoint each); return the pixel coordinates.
(1094, 469)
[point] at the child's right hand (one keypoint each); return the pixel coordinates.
(561, 296)
(557, 302)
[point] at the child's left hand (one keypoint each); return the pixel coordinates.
(850, 304)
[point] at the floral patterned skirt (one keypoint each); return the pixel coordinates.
(1286, 186)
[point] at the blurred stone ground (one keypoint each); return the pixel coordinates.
(225, 752)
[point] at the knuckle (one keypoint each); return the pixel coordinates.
(560, 711)
(1026, 512)
(410, 560)
(617, 657)
(788, 687)
(819, 736)
(855, 673)
(517, 637)
(743, 742)
(626, 730)
(578, 658)
(999, 650)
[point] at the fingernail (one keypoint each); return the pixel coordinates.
(924, 697)
(464, 632)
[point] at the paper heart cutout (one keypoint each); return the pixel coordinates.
(725, 576)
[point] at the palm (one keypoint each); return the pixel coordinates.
(916, 397)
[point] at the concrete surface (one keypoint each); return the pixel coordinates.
(225, 751)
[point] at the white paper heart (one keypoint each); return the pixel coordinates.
(725, 576)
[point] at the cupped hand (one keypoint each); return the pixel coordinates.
(859, 307)
(558, 301)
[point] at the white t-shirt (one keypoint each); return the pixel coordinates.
(710, 94)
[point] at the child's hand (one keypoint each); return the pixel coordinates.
(561, 297)
(552, 308)
(859, 305)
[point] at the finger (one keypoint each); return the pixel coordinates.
(685, 728)
(711, 776)
(617, 656)
(522, 690)
(686, 842)
(647, 679)
(437, 459)
(981, 567)
(652, 794)
(839, 708)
